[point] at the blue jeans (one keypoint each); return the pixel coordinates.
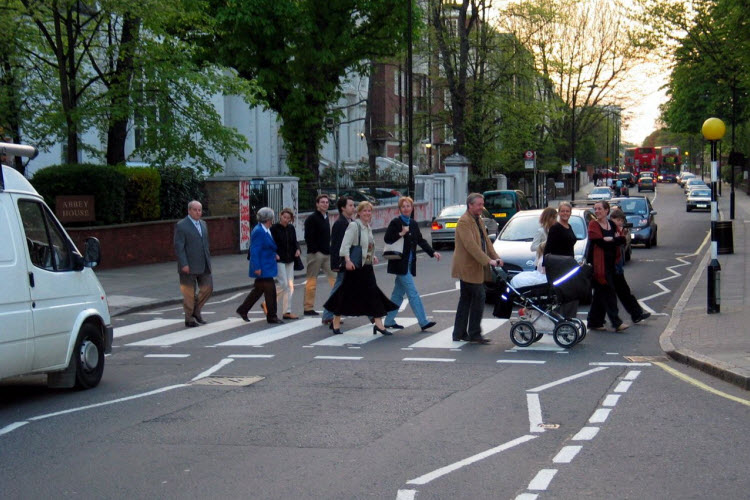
(404, 285)
(328, 315)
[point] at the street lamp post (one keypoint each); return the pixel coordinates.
(428, 148)
(713, 130)
(573, 153)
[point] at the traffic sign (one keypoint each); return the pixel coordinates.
(529, 155)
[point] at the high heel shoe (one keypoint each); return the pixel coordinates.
(376, 330)
(337, 331)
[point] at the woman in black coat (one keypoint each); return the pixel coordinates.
(405, 268)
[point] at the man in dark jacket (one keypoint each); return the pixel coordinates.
(318, 240)
(405, 268)
(346, 207)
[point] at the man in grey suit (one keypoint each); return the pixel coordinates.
(193, 263)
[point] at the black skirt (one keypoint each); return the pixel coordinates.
(359, 295)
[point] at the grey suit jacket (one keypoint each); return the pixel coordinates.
(192, 249)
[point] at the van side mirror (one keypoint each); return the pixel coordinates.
(91, 252)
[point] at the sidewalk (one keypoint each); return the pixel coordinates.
(716, 343)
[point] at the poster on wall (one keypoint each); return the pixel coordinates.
(244, 215)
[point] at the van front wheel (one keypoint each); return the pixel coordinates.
(88, 356)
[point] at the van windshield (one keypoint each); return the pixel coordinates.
(499, 201)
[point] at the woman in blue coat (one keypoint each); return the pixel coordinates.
(263, 257)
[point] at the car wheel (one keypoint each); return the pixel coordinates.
(647, 243)
(687, 209)
(654, 243)
(88, 356)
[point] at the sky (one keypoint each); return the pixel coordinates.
(643, 113)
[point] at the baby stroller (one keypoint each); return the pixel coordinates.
(539, 305)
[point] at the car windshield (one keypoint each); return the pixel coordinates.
(633, 206)
(693, 182)
(600, 190)
(700, 193)
(453, 211)
(525, 228)
(501, 201)
(520, 229)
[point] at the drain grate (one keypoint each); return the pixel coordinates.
(647, 359)
(228, 381)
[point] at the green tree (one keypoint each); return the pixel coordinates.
(298, 52)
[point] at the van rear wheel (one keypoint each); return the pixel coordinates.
(88, 356)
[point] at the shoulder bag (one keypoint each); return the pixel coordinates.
(355, 251)
(395, 250)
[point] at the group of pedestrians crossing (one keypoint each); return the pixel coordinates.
(346, 254)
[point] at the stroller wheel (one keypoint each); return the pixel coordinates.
(581, 326)
(523, 334)
(538, 337)
(565, 334)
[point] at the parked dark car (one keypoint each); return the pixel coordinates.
(640, 213)
(504, 204)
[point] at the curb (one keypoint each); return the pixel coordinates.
(689, 357)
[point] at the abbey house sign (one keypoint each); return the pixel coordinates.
(76, 208)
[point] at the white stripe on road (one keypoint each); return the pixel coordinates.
(406, 494)
(264, 337)
(12, 427)
(566, 379)
(213, 369)
(599, 416)
(632, 375)
(586, 434)
(360, 335)
(623, 386)
(167, 356)
(542, 479)
(444, 338)
(567, 454)
(611, 400)
(619, 363)
(535, 413)
(144, 326)
(188, 334)
(470, 460)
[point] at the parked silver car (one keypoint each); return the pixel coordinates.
(443, 229)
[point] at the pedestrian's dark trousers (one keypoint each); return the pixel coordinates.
(265, 287)
(604, 302)
(469, 312)
(629, 302)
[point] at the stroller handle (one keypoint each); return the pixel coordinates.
(499, 272)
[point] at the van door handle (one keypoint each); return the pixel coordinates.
(31, 280)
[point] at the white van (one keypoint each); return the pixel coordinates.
(54, 317)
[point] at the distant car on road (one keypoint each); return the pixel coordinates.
(503, 204)
(698, 198)
(683, 178)
(600, 193)
(627, 178)
(646, 184)
(640, 213)
(443, 229)
(690, 183)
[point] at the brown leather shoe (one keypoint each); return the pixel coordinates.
(290, 316)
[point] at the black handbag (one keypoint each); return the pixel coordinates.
(355, 251)
(298, 265)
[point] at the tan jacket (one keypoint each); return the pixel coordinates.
(470, 263)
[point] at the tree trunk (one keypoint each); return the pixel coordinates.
(117, 131)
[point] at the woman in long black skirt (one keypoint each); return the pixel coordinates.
(359, 294)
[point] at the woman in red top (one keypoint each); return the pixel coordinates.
(605, 242)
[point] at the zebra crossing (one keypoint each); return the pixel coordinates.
(215, 334)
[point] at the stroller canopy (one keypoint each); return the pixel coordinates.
(570, 280)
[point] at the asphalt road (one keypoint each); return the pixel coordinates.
(236, 410)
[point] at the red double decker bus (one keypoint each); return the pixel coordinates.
(629, 159)
(646, 160)
(669, 164)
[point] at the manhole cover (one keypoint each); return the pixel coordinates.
(227, 381)
(647, 359)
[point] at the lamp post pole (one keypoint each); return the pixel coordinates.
(428, 148)
(573, 153)
(713, 130)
